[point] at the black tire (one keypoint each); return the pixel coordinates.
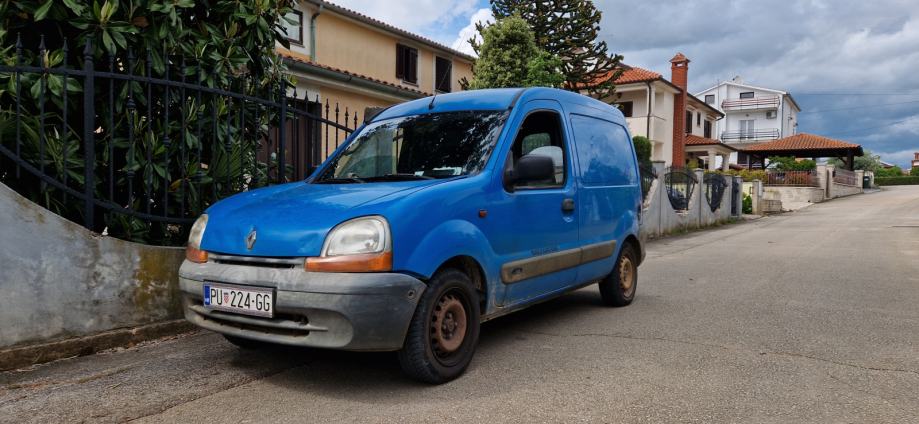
(615, 289)
(428, 354)
(247, 344)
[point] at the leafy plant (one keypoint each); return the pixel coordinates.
(509, 57)
(167, 151)
(788, 163)
(642, 149)
(747, 204)
(568, 30)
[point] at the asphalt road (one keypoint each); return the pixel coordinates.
(810, 316)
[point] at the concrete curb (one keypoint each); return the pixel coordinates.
(18, 357)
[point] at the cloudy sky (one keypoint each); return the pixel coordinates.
(853, 66)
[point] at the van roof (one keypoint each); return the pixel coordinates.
(488, 99)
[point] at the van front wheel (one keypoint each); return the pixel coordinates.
(444, 331)
(618, 288)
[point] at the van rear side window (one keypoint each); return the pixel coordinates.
(604, 151)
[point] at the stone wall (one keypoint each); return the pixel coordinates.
(659, 218)
(61, 281)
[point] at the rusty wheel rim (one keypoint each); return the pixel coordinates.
(448, 325)
(626, 276)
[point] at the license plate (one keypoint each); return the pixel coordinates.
(240, 300)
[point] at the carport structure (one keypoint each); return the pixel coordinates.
(708, 149)
(803, 145)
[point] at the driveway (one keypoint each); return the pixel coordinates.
(810, 316)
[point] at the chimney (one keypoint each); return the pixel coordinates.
(679, 68)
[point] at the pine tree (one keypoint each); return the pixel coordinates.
(568, 30)
(509, 57)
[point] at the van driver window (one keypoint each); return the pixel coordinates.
(541, 135)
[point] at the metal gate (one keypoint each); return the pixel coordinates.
(735, 194)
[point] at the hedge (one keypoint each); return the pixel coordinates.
(886, 181)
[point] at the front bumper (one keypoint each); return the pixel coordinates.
(349, 311)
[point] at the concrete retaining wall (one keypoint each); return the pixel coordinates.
(794, 195)
(659, 218)
(60, 281)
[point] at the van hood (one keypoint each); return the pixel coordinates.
(292, 220)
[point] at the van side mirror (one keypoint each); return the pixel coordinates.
(530, 168)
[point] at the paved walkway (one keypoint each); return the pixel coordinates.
(811, 316)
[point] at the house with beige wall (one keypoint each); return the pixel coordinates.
(665, 112)
(353, 62)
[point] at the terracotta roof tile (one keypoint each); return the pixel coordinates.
(802, 141)
(694, 140)
(302, 59)
(633, 75)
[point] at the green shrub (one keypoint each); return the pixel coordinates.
(642, 149)
(748, 175)
(914, 172)
(747, 206)
(788, 163)
(894, 171)
(888, 181)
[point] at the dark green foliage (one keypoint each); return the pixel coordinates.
(914, 171)
(867, 162)
(887, 181)
(747, 204)
(226, 44)
(894, 171)
(642, 149)
(568, 30)
(791, 164)
(508, 57)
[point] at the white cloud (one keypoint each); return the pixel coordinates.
(807, 47)
(462, 40)
(430, 18)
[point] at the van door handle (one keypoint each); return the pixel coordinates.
(568, 205)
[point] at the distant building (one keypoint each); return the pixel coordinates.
(752, 114)
(916, 160)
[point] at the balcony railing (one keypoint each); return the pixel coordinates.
(764, 134)
(792, 178)
(750, 104)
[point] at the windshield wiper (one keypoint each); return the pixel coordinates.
(400, 177)
(341, 180)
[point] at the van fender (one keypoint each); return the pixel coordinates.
(450, 239)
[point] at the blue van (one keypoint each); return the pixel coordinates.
(433, 217)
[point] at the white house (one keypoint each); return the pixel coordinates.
(663, 111)
(752, 114)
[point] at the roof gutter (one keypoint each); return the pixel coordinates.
(313, 32)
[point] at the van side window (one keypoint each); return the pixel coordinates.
(605, 153)
(541, 135)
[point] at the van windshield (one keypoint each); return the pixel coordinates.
(418, 147)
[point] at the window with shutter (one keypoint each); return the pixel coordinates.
(407, 63)
(443, 70)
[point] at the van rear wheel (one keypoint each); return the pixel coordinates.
(618, 288)
(444, 331)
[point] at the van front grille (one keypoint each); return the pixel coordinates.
(259, 261)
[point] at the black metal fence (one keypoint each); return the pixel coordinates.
(679, 183)
(139, 147)
(648, 175)
(714, 189)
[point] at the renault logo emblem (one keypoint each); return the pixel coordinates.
(250, 239)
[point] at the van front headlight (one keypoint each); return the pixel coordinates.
(359, 245)
(193, 250)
